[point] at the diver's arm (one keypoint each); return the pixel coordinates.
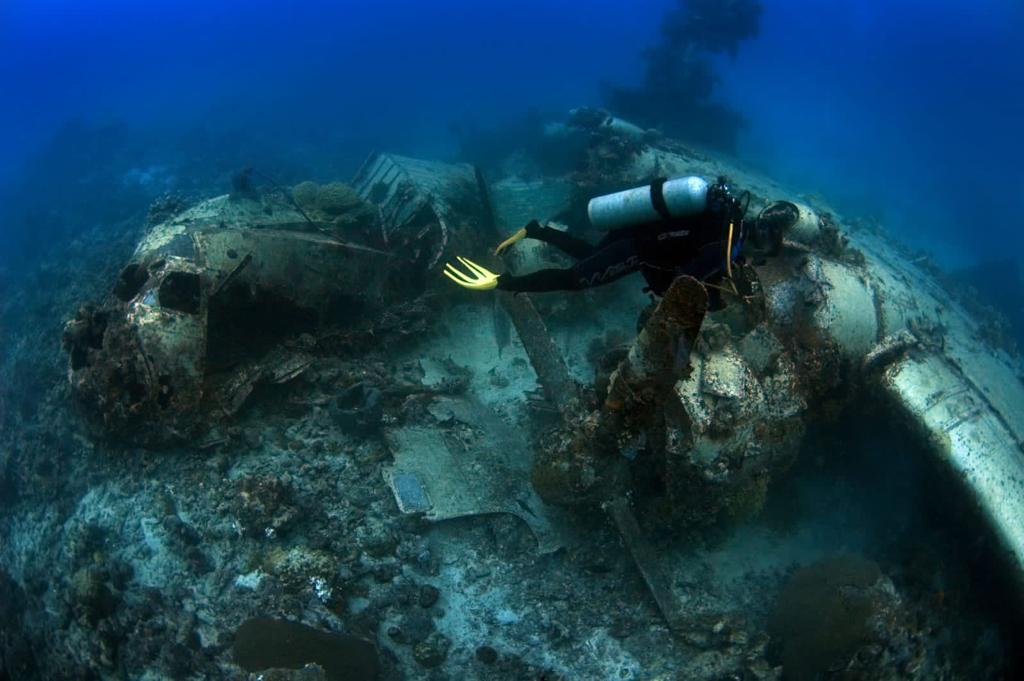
(563, 241)
(540, 281)
(560, 239)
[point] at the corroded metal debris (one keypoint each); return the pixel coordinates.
(197, 316)
(426, 207)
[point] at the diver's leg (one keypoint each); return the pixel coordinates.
(613, 259)
(538, 282)
(612, 262)
(563, 241)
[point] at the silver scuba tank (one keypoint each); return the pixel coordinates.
(675, 198)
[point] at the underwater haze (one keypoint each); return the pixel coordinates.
(322, 82)
(909, 111)
(543, 340)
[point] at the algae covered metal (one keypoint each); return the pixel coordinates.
(198, 315)
(843, 310)
(837, 313)
(425, 206)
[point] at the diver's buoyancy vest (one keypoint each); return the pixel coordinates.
(661, 200)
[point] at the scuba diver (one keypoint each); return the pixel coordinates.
(669, 228)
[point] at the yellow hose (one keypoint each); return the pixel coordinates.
(728, 254)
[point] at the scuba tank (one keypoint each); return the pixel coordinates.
(660, 200)
(667, 200)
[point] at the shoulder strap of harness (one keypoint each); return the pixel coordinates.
(658, 198)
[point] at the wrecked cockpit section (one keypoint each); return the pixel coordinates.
(204, 308)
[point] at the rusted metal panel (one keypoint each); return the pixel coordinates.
(423, 205)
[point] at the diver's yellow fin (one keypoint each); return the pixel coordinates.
(478, 279)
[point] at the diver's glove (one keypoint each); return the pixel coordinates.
(523, 232)
(527, 231)
(478, 279)
(518, 236)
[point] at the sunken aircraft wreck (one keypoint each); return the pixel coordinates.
(689, 424)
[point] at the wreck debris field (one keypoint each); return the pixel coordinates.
(275, 404)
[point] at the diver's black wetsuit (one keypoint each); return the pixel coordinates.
(694, 245)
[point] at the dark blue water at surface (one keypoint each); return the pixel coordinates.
(908, 111)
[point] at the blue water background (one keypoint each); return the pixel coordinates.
(909, 110)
